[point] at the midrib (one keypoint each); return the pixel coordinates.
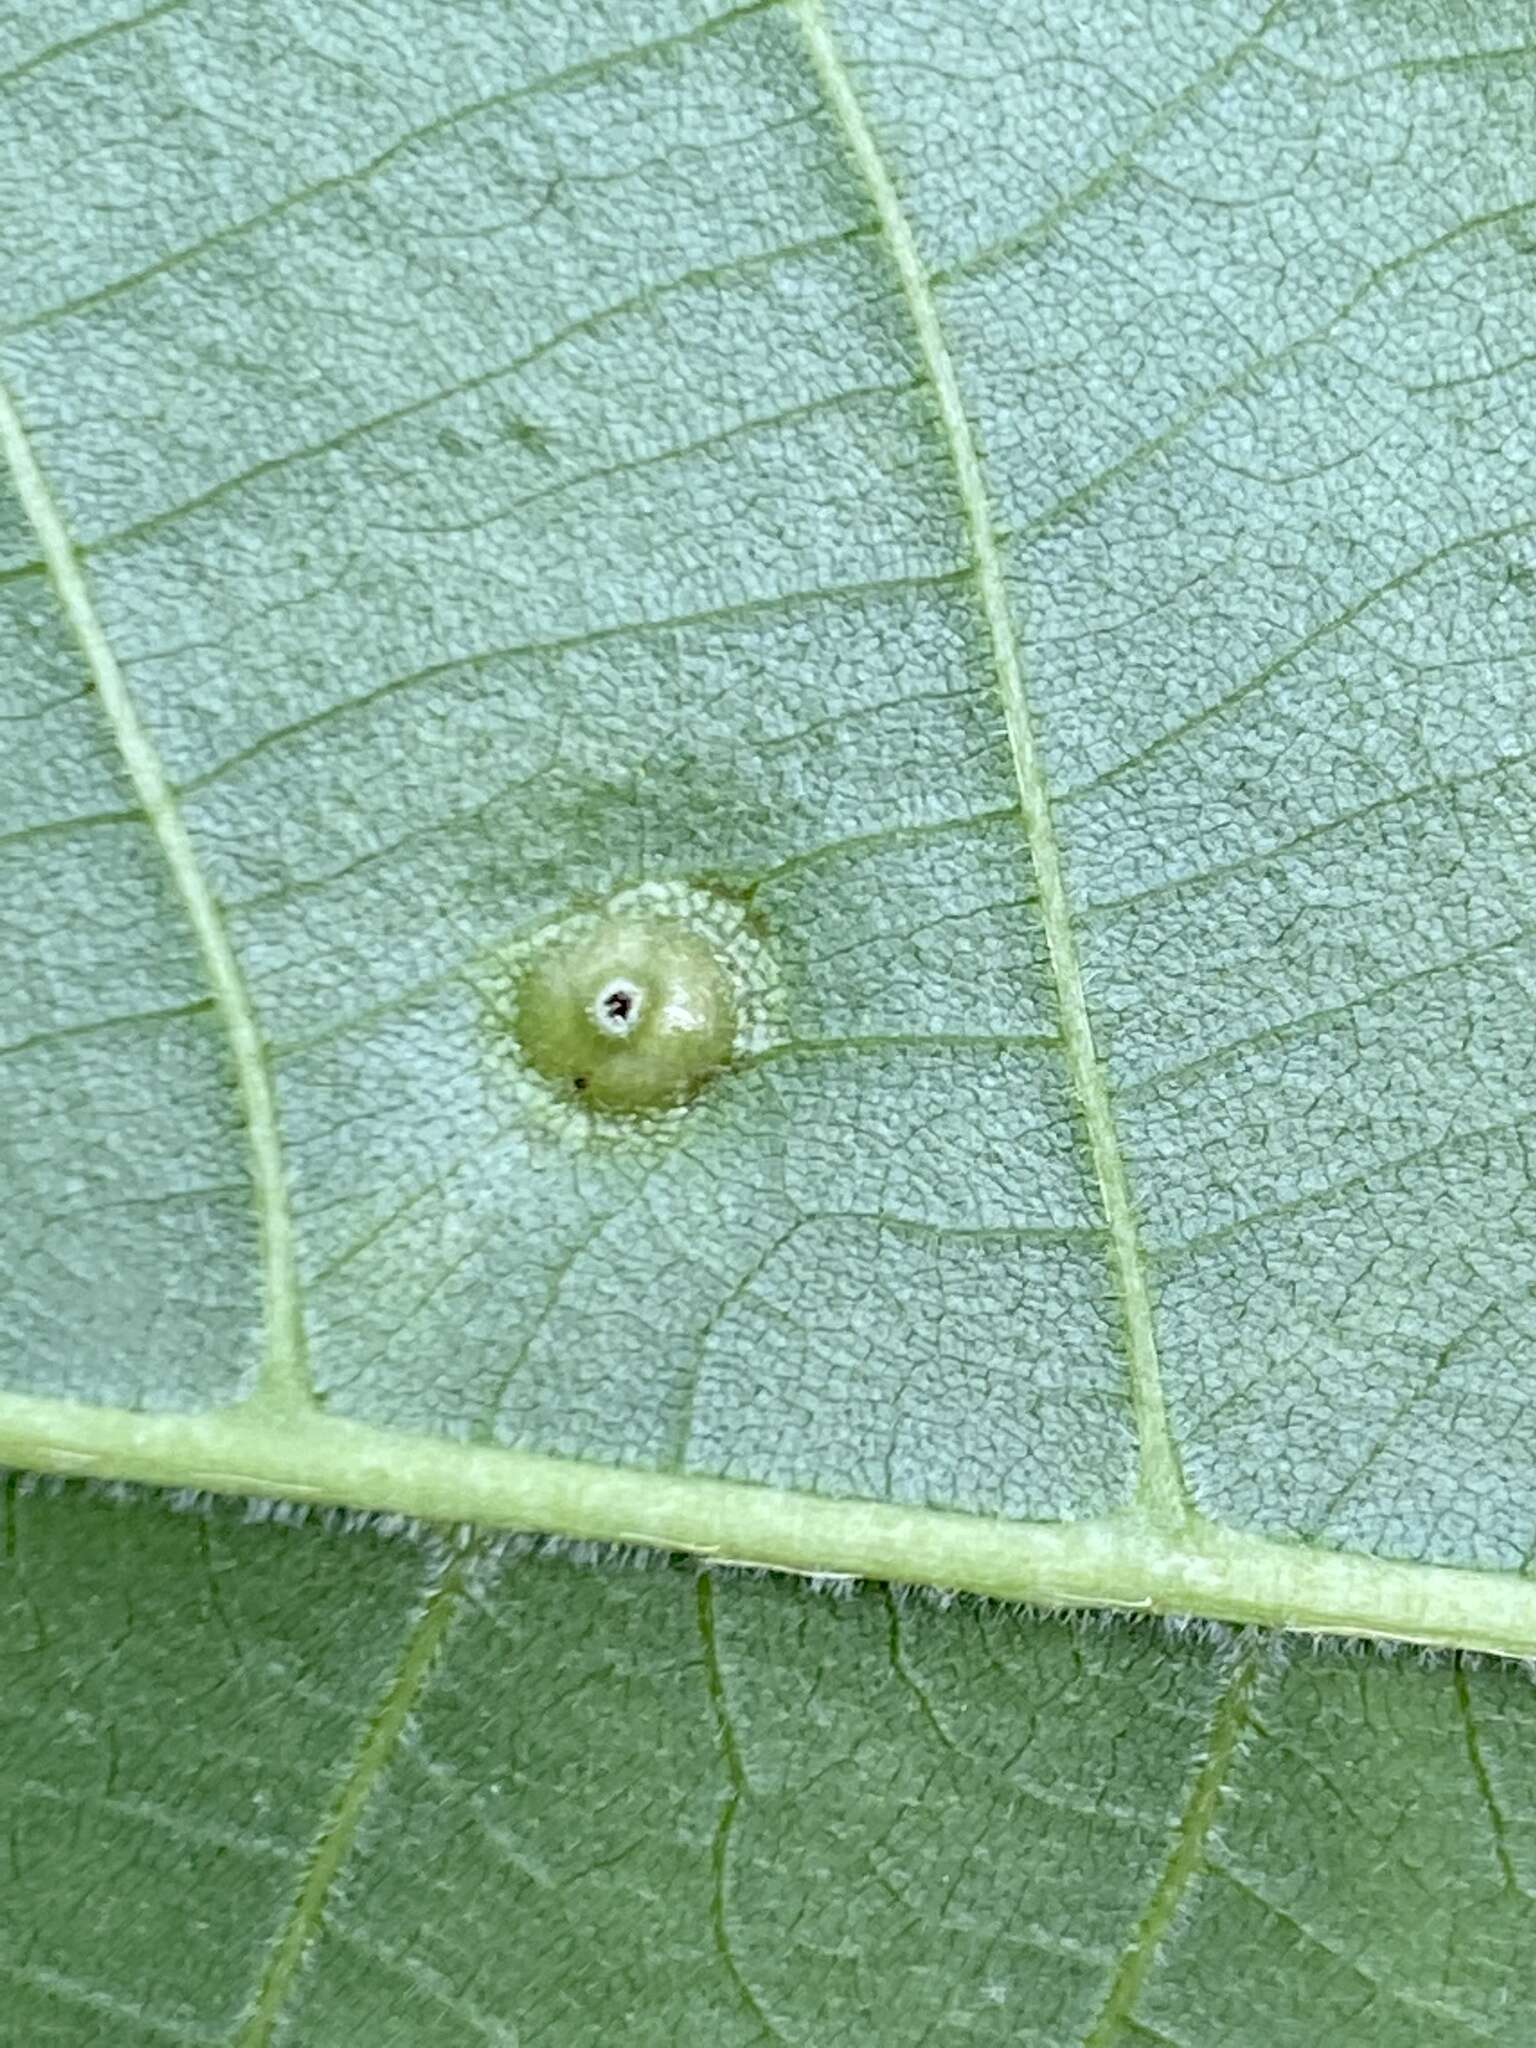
(284, 1381)
(1121, 1560)
(1161, 1493)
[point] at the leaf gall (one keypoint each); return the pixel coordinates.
(633, 1011)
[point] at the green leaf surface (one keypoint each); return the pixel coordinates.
(1024, 515)
(1019, 519)
(727, 1809)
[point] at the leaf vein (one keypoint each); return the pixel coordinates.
(1259, 365)
(1161, 1486)
(69, 46)
(1351, 1961)
(284, 1377)
(736, 1781)
(1498, 1826)
(1260, 857)
(1328, 1013)
(89, 1997)
(1377, 1171)
(585, 324)
(1186, 1859)
(1124, 164)
(1325, 630)
(776, 603)
(334, 1842)
(575, 74)
(706, 444)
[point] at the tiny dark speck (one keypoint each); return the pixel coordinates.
(524, 433)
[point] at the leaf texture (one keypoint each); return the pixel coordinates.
(727, 1809)
(1029, 505)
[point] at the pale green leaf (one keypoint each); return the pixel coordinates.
(1025, 511)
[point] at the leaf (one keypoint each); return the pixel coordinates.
(1115, 743)
(638, 1803)
(1024, 513)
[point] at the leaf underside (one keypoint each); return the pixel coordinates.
(1031, 504)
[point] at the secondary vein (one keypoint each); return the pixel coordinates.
(736, 1779)
(1195, 1823)
(1161, 1490)
(284, 1382)
(340, 1829)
